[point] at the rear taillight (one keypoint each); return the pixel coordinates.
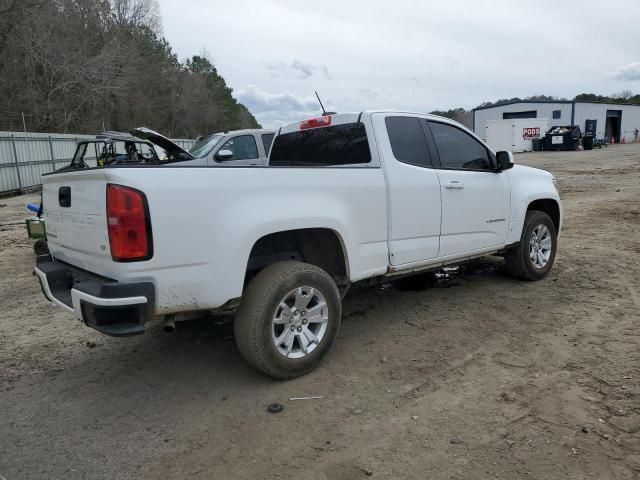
(316, 122)
(129, 224)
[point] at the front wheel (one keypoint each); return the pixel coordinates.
(288, 319)
(533, 258)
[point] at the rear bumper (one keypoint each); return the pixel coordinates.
(113, 308)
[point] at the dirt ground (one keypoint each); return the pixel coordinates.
(480, 376)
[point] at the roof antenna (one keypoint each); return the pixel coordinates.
(324, 112)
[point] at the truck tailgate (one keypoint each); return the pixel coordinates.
(75, 217)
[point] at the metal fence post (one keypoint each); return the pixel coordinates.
(53, 158)
(15, 159)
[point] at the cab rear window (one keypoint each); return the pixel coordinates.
(345, 144)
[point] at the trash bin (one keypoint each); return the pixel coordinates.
(562, 138)
(587, 141)
(536, 143)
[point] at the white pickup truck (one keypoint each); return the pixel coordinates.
(346, 198)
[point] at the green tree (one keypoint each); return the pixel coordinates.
(84, 65)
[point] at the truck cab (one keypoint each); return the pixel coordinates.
(448, 195)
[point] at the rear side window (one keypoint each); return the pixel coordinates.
(459, 150)
(267, 138)
(243, 147)
(408, 142)
(322, 147)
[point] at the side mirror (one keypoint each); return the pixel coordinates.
(504, 161)
(223, 155)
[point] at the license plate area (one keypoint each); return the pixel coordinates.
(64, 197)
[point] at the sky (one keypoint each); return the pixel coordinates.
(406, 55)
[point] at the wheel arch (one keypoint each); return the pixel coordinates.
(549, 206)
(322, 247)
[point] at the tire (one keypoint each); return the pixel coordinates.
(518, 260)
(260, 319)
(41, 247)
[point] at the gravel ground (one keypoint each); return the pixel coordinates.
(480, 376)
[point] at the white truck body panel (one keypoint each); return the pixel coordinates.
(409, 189)
(81, 230)
(528, 185)
(475, 210)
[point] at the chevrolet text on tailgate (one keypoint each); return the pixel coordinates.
(345, 198)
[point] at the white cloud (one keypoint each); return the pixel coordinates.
(369, 93)
(325, 72)
(275, 109)
(260, 101)
(297, 69)
(628, 73)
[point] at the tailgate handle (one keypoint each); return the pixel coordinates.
(64, 196)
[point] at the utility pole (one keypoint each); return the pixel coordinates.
(24, 124)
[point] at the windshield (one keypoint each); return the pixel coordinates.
(204, 146)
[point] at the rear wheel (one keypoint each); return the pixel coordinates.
(533, 258)
(288, 319)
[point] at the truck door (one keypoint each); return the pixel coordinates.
(413, 189)
(244, 150)
(475, 199)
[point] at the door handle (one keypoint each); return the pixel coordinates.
(454, 184)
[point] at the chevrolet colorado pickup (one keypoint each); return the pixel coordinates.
(345, 198)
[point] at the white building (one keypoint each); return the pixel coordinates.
(611, 119)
